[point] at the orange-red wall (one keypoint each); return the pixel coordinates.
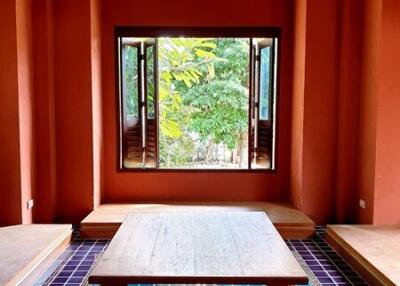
(16, 95)
(379, 157)
(299, 55)
(10, 210)
(348, 110)
(345, 124)
(387, 169)
(195, 186)
(67, 50)
(315, 102)
(368, 107)
(25, 98)
(338, 121)
(97, 120)
(43, 57)
(73, 108)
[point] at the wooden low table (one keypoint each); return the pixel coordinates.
(198, 247)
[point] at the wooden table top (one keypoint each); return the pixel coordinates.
(198, 247)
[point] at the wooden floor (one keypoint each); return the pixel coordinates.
(373, 251)
(106, 219)
(197, 248)
(25, 248)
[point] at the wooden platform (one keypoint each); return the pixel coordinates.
(24, 250)
(373, 251)
(197, 247)
(106, 219)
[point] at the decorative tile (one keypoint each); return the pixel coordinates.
(321, 263)
(73, 265)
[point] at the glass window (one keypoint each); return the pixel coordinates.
(130, 83)
(265, 82)
(196, 103)
(150, 81)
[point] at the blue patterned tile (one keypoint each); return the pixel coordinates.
(323, 265)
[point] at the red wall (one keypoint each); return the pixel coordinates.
(25, 98)
(299, 56)
(10, 209)
(73, 108)
(338, 121)
(387, 169)
(345, 124)
(16, 90)
(368, 104)
(95, 21)
(43, 56)
(315, 102)
(348, 110)
(195, 186)
(379, 159)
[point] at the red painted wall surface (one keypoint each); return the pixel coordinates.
(368, 108)
(299, 56)
(338, 124)
(25, 102)
(315, 107)
(10, 178)
(348, 111)
(16, 90)
(195, 186)
(67, 74)
(43, 56)
(95, 22)
(387, 170)
(320, 109)
(73, 108)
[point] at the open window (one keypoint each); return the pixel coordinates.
(262, 103)
(138, 78)
(197, 103)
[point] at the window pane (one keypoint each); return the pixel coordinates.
(150, 81)
(130, 60)
(185, 103)
(132, 145)
(265, 85)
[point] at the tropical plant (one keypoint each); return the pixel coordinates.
(203, 97)
(183, 63)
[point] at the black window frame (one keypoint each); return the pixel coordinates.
(199, 32)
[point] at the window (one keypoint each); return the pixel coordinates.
(198, 103)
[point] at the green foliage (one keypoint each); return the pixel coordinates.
(235, 66)
(220, 104)
(179, 60)
(180, 63)
(131, 82)
(219, 111)
(203, 94)
(176, 152)
(204, 87)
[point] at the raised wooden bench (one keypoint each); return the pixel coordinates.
(107, 218)
(24, 250)
(213, 247)
(374, 251)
